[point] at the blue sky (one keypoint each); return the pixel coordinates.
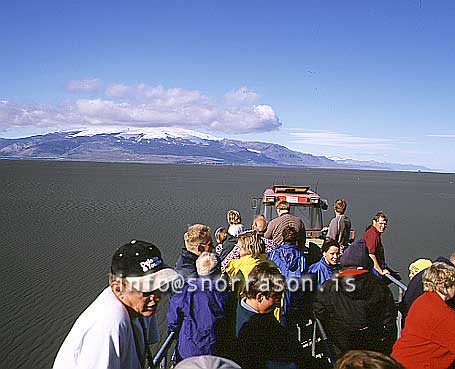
(367, 80)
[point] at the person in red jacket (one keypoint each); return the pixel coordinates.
(428, 338)
(372, 237)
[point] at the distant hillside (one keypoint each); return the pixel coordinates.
(176, 146)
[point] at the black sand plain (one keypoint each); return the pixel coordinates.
(60, 222)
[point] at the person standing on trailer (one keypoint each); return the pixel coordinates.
(372, 237)
(340, 226)
(285, 219)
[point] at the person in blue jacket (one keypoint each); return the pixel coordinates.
(328, 264)
(291, 260)
(198, 312)
(198, 238)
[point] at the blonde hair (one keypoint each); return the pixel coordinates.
(439, 277)
(282, 205)
(233, 217)
(364, 359)
(206, 263)
(251, 242)
(196, 235)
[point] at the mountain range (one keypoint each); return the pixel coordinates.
(174, 146)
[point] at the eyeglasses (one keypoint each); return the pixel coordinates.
(148, 294)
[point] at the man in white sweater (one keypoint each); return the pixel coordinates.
(115, 331)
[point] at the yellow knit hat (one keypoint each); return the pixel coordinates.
(417, 266)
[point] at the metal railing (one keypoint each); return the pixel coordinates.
(160, 359)
(399, 284)
(322, 340)
(401, 290)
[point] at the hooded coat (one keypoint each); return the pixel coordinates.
(292, 263)
(323, 270)
(355, 307)
(186, 264)
(198, 314)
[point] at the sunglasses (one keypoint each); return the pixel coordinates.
(148, 294)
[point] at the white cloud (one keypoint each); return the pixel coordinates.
(117, 90)
(335, 139)
(443, 136)
(83, 85)
(241, 96)
(147, 106)
(41, 116)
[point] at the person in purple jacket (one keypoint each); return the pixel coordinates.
(198, 312)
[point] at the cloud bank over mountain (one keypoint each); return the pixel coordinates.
(140, 105)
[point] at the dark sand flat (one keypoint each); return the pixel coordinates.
(60, 222)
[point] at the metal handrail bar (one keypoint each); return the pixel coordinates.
(402, 288)
(324, 338)
(401, 285)
(161, 354)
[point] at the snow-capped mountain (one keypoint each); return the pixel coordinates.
(144, 133)
(170, 145)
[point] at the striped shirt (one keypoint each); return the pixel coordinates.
(276, 226)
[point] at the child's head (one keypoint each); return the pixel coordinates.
(233, 217)
(250, 243)
(221, 234)
(264, 287)
(206, 263)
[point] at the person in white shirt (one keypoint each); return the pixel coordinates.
(115, 331)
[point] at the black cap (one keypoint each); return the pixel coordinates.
(141, 264)
(136, 259)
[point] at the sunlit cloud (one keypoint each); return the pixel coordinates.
(146, 106)
(83, 85)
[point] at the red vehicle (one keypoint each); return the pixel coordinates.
(305, 203)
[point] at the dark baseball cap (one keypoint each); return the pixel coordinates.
(140, 263)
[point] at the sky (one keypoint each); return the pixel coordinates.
(363, 80)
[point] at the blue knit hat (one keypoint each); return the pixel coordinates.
(357, 256)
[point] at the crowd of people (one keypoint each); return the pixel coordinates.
(248, 301)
